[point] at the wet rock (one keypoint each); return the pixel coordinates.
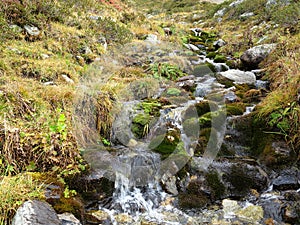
(36, 213)
(236, 76)
(239, 178)
(188, 85)
(68, 219)
(253, 56)
(166, 143)
(272, 207)
(185, 78)
(169, 184)
(287, 180)
(97, 217)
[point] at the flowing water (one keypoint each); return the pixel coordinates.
(145, 185)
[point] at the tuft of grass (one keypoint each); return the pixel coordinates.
(14, 190)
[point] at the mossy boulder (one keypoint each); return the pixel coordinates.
(236, 108)
(205, 135)
(200, 109)
(140, 125)
(220, 58)
(214, 119)
(204, 69)
(194, 197)
(166, 143)
(240, 180)
(215, 184)
(211, 55)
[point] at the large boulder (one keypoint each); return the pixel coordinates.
(253, 56)
(36, 213)
(237, 77)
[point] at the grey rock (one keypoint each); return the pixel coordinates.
(170, 184)
(235, 3)
(238, 76)
(253, 56)
(31, 30)
(220, 13)
(189, 77)
(68, 219)
(192, 47)
(36, 213)
(67, 79)
(246, 15)
(16, 28)
(152, 38)
(219, 43)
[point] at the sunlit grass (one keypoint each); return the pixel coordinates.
(14, 190)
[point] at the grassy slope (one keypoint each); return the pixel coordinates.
(35, 128)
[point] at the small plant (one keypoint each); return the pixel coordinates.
(166, 70)
(60, 126)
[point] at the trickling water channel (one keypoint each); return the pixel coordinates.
(146, 187)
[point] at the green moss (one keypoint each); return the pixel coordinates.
(72, 205)
(211, 55)
(202, 70)
(234, 109)
(215, 184)
(140, 125)
(200, 109)
(173, 92)
(166, 143)
(216, 119)
(220, 59)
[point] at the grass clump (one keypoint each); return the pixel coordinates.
(14, 190)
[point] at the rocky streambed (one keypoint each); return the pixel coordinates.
(188, 149)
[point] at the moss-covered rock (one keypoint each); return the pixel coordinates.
(166, 143)
(140, 125)
(211, 55)
(204, 69)
(236, 108)
(220, 58)
(215, 184)
(194, 197)
(216, 119)
(200, 109)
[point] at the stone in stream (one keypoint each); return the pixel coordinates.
(36, 213)
(287, 180)
(253, 56)
(236, 76)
